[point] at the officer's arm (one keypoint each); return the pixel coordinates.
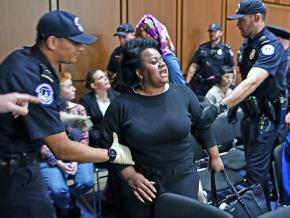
(255, 77)
(191, 71)
(65, 149)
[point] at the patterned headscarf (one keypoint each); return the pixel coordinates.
(157, 31)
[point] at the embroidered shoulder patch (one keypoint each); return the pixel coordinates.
(268, 49)
(45, 93)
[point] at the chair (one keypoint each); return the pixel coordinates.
(277, 170)
(282, 212)
(223, 132)
(204, 175)
(169, 205)
(234, 159)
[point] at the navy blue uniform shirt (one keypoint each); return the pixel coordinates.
(265, 51)
(22, 72)
(211, 59)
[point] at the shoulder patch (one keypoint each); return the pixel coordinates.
(45, 93)
(268, 49)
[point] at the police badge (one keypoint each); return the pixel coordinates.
(252, 54)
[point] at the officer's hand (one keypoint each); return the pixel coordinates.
(142, 188)
(124, 155)
(210, 113)
(232, 115)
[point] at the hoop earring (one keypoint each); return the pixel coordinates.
(141, 81)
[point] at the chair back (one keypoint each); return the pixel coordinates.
(277, 169)
(169, 205)
(282, 212)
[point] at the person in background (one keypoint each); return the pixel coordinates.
(149, 27)
(261, 91)
(56, 172)
(16, 103)
(124, 32)
(97, 101)
(33, 71)
(155, 120)
(221, 89)
(284, 35)
(208, 59)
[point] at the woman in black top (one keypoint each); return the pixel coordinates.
(155, 120)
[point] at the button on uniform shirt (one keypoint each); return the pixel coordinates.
(23, 71)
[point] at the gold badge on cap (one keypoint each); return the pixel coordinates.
(252, 54)
(238, 7)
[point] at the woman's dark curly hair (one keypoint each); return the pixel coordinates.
(132, 58)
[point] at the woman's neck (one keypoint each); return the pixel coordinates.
(151, 91)
(223, 88)
(103, 95)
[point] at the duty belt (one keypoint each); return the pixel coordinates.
(11, 162)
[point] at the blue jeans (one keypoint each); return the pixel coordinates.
(56, 181)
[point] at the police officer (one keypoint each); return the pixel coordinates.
(208, 60)
(32, 70)
(124, 32)
(263, 71)
(284, 35)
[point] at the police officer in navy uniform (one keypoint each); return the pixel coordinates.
(261, 91)
(208, 60)
(284, 35)
(32, 70)
(124, 32)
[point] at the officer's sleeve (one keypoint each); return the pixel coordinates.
(269, 57)
(230, 58)
(200, 129)
(43, 119)
(196, 55)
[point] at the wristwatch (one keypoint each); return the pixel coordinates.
(112, 153)
(223, 107)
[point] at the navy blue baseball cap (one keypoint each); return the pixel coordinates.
(124, 29)
(63, 24)
(214, 27)
(247, 7)
(280, 32)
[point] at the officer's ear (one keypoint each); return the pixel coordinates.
(51, 42)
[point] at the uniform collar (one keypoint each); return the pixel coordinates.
(257, 36)
(43, 59)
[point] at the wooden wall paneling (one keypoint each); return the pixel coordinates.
(232, 33)
(270, 1)
(99, 18)
(18, 26)
(278, 15)
(197, 15)
(284, 2)
(163, 10)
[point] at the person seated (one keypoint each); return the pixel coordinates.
(221, 89)
(97, 101)
(57, 172)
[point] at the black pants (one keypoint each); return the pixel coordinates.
(23, 194)
(182, 180)
(258, 150)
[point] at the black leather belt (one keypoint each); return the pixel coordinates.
(11, 162)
